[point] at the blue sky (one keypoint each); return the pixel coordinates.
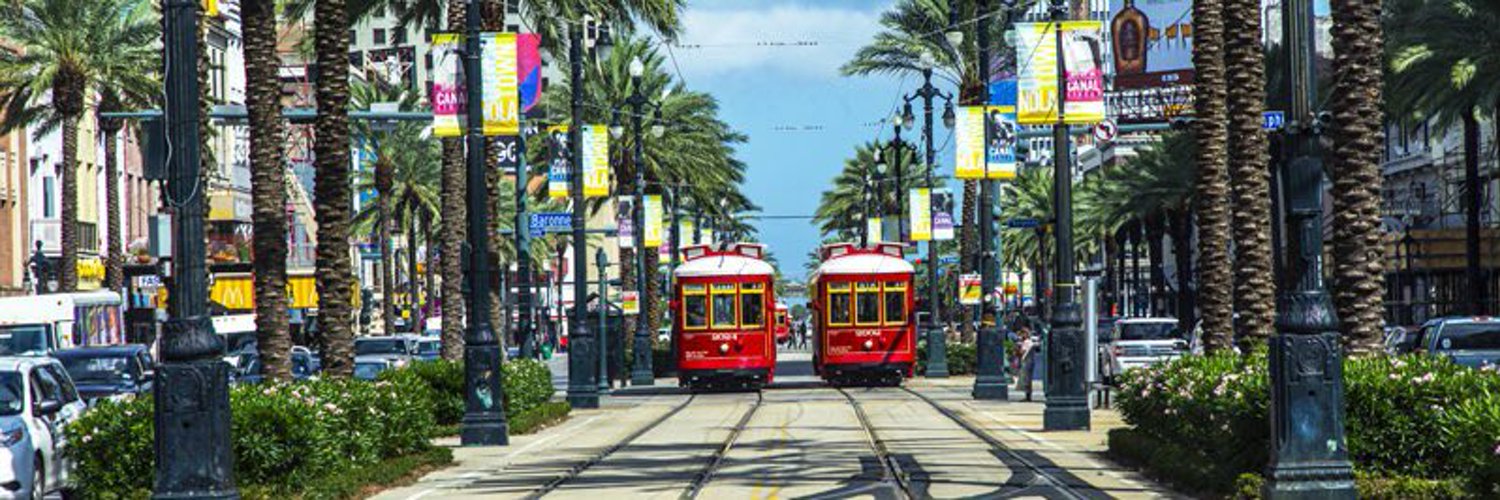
(765, 91)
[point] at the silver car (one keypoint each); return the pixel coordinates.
(37, 401)
(1138, 342)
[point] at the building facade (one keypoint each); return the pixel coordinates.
(15, 247)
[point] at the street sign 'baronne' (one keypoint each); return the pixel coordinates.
(551, 222)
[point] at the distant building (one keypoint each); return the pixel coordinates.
(15, 247)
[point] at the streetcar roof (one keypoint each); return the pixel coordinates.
(864, 263)
(732, 259)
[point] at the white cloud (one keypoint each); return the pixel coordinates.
(719, 41)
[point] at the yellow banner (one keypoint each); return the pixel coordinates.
(595, 161)
(502, 85)
(1037, 89)
(985, 144)
(653, 221)
(921, 214)
(873, 227)
(685, 231)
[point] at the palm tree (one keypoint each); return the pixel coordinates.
(1443, 65)
(911, 41)
(68, 50)
(1358, 249)
(331, 147)
(1212, 208)
(267, 187)
(842, 209)
(1254, 289)
(452, 233)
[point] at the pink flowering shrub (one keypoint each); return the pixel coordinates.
(1416, 416)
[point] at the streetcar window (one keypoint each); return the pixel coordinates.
(723, 305)
(867, 308)
(895, 307)
(838, 304)
(752, 309)
(696, 308)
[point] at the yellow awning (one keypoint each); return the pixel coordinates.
(236, 291)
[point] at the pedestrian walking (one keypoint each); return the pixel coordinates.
(1026, 350)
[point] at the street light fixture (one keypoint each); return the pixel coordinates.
(907, 119)
(637, 68)
(949, 117)
(937, 342)
(641, 373)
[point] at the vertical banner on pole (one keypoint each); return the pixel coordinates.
(921, 214)
(685, 231)
(630, 302)
(595, 161)
(557, 162)
(942, 214)
(969, 289)
(1036, 88)
(529, 69)
(873, 226)
(625, 222)
(1001, 131)
(447, 97)
(986, 143)
(653, 221)
(502, 84)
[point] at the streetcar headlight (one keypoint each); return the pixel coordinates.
(869, 344)
(724, 348)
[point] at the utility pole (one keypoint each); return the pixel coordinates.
(672, 275)
(1309, 458)
(641, 373)
(484, 418)
(990, 382)
(1067, 386)
(523, 254)
(582, 391)
(193, 455)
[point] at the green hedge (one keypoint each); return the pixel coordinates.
(528, 384)
(961, 358)
(539, 418)
(1416, 417)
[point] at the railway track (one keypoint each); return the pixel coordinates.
(891, 470)
(1051, 485)
(707, 474)
(578, 469)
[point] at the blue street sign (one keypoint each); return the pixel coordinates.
(551, 222)
(948, 259)
(1026, 223)
(1272, 120)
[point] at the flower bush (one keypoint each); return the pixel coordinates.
(1420, 417)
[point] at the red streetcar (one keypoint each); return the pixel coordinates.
(725, 334)
(783, 323)
(862, 298)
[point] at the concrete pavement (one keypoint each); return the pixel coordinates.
(797, 439)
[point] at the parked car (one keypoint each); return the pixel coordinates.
(367, 368)
(429, 349)
(112, 372)
(1137, 342)
(1399, 340)
(37, 401)
(400, 350)
(1471, 342)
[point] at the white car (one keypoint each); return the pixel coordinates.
(1138, 342)
(37, 401)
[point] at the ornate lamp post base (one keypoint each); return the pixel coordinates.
(582, 392)
(641, 373)
(991, 383)
(193, 402)
(1067, 387)
(484, 421)
(937, 352)
(1308, 455)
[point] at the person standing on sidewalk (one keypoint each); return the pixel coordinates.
(1026, 351)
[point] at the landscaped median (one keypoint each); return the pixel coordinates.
(1417, 426)
(330, 438)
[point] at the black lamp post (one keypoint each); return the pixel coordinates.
(676, 242)
(601, 265)
(1067, 384)
(641, 372)
(1308, 456)
(582, 371)
(193, 456)
(990, 382)
(901, 121)
(1411, 276)
(937, 343)
(523, 251)
(484, 417)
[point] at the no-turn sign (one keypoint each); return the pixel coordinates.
(1105, 131)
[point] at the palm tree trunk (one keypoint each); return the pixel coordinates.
(1254, 288)
(493, 19)
(418, 321)
(267, 189)
(67, 268)
(1358, 249)
(1182, 252)
(1473, 192)
(653, 290)
(387, 269)
(331, 147)
(1212, 186)
(452, 232)
(968, 253)
(114, 259)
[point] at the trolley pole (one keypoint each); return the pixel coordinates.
(1067, 386)
(582, 391)
(484, 419)
(990, 380)
(193, 455)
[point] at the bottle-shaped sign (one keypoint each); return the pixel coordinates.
(1129, 29)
